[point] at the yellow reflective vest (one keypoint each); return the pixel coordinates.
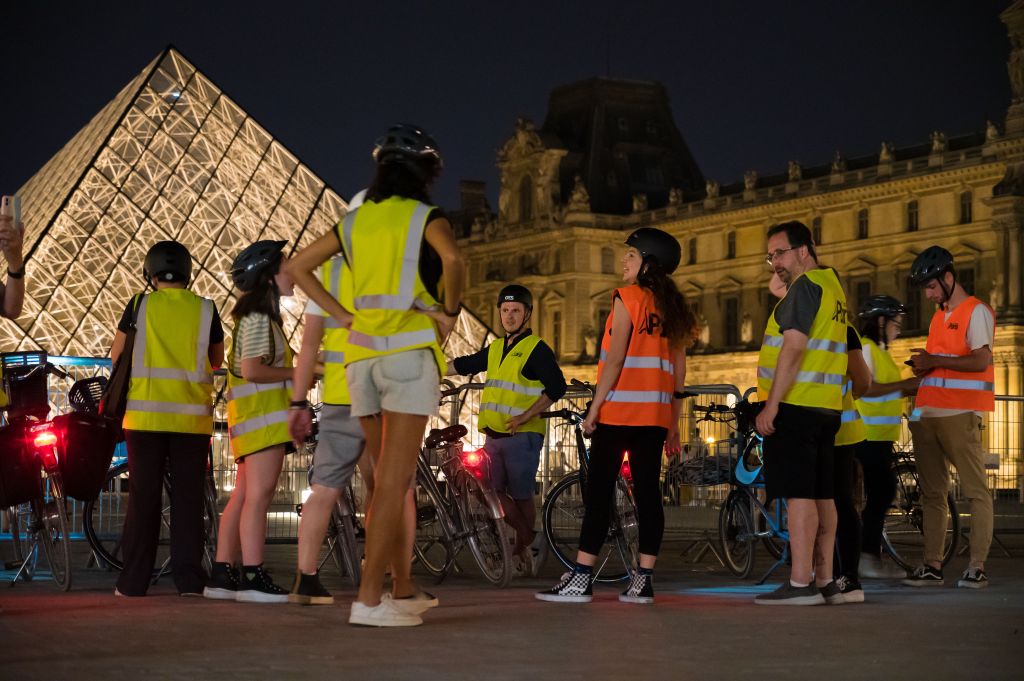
(822, 372)
(381, 242)
(882, 415)
(171, 384)
(337, 279)
(507, 392)
(258, 412)
(851, 427)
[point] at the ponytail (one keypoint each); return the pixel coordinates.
(677, 320)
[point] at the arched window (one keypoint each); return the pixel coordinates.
(525, 199)
(607, 261)
(966, 207)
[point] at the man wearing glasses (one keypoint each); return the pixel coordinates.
(800, 374)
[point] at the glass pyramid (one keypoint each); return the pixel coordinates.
(171, 157)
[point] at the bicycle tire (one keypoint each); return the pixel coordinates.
(346, 546)
(485, 527)
(211, 524)
(433, 547)
(50, 521)
(14, 529)
(563, 516)
(736, 534)
(774, 544)
(902, 530)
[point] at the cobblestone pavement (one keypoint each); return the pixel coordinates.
(703, 626)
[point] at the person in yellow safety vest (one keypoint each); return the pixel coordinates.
(400, 250)
(340, 441)
(881, 409)
(957, 387)
(523, 379)
(259, 373)
(801, 370)
(168, 418)
(12, 294)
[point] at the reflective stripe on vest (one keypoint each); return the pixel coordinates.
(258, 412)
(382, 243)
(171, 384)
(337, 279)
(642, 395)
(883, 414)
(507, 392)
(823, 363)
(947, 388)
(851, 427)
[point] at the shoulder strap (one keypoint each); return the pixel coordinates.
(136, 302)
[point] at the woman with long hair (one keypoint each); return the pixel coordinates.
(259, 373)
(640, 379)
(407, 277)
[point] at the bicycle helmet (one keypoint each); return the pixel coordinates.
(514, 293)
(405, 142)
(656, 246)
(881, 306)
(256, 261)
(932, 263)
(167, 261)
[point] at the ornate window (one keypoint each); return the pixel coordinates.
(731, 322)
(966, 207)
(691, 258)
(862, 223)
(816, 230)
(730, 245)
(525, 199)
(912, 215)
(912, 301)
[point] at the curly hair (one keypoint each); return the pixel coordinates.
(677, 320)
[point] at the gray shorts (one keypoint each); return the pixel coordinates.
(405, 383)
(337, 448)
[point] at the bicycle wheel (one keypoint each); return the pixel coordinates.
(211, 522)
(14, 529)
(50, 521)
(346, 547)
(563, 518)
(486, 533)
(736, 534)
(771, 541)
(902, 531)
(626, 527)
(433, 548)
(26, 545)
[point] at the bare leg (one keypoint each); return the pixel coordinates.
(316, 514)
(229, 547)
(521, 514)
(803, 529)
(262, 471)
(825, 541)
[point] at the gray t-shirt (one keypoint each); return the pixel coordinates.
(800, 306)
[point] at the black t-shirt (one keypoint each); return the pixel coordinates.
(216, 329)
(541, 365)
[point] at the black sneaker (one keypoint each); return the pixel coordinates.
(258, 587)
(574, 587)
(924, 575)
(851, 589)
(787, 594)
(973, 578)
(223, 584)
(307, 590)
(832, 594)
(640, 589)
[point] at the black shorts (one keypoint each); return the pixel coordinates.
(798, 456)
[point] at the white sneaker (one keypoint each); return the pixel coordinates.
(385, 614)
(873, 567)
(416, 604)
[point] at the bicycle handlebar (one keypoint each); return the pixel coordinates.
(567, 414)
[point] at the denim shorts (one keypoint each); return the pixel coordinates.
(405, 383)
(338, 447)
(514, 462)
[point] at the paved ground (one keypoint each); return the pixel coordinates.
(704, 625)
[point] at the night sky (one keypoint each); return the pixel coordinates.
(752, 84)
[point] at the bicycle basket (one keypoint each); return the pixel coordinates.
(26, 397)
(712, 469)
(87, 446)
(85, 394)
(19, 469)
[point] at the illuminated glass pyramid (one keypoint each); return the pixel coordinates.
(171, 157)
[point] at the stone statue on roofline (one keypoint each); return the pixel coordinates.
(793, 171)
(885, 155)
(579, 199)
(938, 142)
(639, 203)
(750, 179)
(675, 196)
(711, 189)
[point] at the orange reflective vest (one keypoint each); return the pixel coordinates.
(643, 394)
(949, 389)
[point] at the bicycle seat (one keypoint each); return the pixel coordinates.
(437, 437)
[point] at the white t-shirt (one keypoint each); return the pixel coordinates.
(254, 340)
(980, 332)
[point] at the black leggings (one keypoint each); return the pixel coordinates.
(876, 459)
(608, 444)
(848, 532)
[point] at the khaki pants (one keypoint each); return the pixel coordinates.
(956, 440)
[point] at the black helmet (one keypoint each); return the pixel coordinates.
(881, 306)
(514, 293)
(168, 261)
(932, 263)
(405, 142)
(254, 261)
(660, 246)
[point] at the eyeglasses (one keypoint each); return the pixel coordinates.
(771, 256)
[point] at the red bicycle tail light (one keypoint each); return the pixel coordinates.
(47, 438)
(473, 459)
(626, 472)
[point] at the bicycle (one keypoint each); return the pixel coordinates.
(902, 531)
(30, 476)
(565, 506)
(456, 507)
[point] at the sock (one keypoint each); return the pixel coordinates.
(798, 584)
(645, 571)
(585, 569)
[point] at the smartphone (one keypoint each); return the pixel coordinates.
(909, 362)
(11, 205)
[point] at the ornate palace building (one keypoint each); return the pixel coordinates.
(608, 159)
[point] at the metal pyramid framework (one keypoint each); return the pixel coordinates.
(171, 157)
